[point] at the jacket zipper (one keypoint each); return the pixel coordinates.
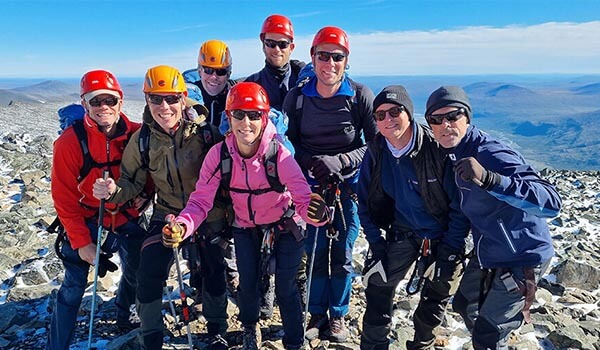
(503, 229)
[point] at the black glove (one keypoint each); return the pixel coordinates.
(323, 166)
(105, 264)
(377, 252)
(469, 169)
(447, 262)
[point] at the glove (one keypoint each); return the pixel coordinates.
(172, 232)
(318, 211)
(446, 263)
(105, 264)
(190, 114)
(378, 255)
(469, 169)
(325, 166)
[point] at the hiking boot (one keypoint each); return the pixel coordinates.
(217, 342)
(251, 337)
(317, 324)
(339, 332)
(127, 321)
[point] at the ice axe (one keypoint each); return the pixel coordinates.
(175, 228)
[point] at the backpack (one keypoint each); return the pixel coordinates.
(270, 162)
(67, 115)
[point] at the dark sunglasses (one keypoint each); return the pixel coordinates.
(283, 44)
(220, 71)
(241, 114)
(325, 56)
(394, 113)
(438, 119)
(109, 101)
(158, 99)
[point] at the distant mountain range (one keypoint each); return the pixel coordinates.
(551, 120)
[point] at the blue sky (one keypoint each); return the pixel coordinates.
(62, 39)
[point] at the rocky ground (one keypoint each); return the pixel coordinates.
(566, 314)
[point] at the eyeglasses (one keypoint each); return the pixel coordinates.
(394, 113)
(241, 114)
(109, 101)
(158, 99)
(452, 116)
(283, 44)
(220, 71)
(325, 56)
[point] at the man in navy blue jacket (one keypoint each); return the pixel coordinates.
(406, 188)
(507, 203)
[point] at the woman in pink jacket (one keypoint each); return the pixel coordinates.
(269, 223)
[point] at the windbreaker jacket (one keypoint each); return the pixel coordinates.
(73, 200)
(509, 221)
(174, 163)
(249, 173)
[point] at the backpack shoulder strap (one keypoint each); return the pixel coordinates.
(144, 146)
(88, 162)
(225, 166)
(271, 166)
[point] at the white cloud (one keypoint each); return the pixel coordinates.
(543, 48)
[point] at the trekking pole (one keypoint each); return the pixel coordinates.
(184, 306)
(96, 262)
(309, 280)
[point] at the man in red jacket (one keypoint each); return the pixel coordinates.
(107, 130)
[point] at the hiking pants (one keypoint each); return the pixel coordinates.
(126, 240)
(288, 253)
(156, 260)
(331, 283)
(380, 299)
(501, 310)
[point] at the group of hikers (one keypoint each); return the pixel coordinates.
(267, 180)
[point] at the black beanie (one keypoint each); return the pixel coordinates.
(394, 94)
(448, 96)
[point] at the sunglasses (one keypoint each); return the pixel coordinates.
(220, 71)
(158, 99)
(325, 56)
(394, 113)
(241, 114)
(109, 101)
(283, 44)
(438, 119)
